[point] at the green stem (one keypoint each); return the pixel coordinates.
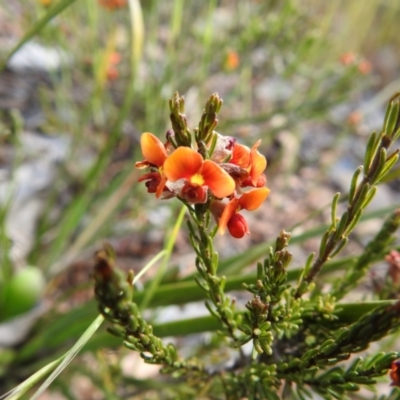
(207, 264)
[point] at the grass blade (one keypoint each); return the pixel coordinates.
(53, 11)
(155, 283)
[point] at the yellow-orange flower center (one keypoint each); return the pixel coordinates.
(197, 179)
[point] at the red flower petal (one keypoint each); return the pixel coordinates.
(153, 149)
(252, 200)
(260, 182)
(395, 373)
(184, 162)
(219, 181)
(193, 193)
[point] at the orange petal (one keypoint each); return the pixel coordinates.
(258, 163)
(240, 155)
(227, 214)
(184, 162)
(161, 185)
(219, 181)
(153, 149)
(252, 200)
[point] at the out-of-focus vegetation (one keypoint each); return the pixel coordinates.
(310, 78)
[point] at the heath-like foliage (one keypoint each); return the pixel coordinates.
(300, 334)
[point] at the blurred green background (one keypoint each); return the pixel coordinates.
(311, 78)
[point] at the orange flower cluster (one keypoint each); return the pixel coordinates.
(362, 65)
(113, 4)
(232, 60)
(219, 181)
(112, 70)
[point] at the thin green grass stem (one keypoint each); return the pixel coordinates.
(60, 364)
(107, 210)
(169, 245)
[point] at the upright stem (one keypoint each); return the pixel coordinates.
(207, 264)
(336, 236)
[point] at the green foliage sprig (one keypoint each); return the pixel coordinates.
(335, 382)
(378, 246)
(221, 305)
(114, 295)
(266, 311)
(377, 163)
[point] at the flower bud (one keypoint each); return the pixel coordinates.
(237, 226)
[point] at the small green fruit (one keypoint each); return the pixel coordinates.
(21, 292)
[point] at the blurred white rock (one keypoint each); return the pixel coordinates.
(274, 89)
(35, 56)
(15, 330)
(22, 187)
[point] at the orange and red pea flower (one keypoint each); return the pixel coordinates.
(186, 174)
(187, 164)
